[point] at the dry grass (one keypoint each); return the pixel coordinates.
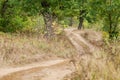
(23, 49)
(103, 64)
(106, 67)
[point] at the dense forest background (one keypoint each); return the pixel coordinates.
(40, 15)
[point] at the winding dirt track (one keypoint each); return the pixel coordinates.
(49, 70)
(87, 43)
(79, 42)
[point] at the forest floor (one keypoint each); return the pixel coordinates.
(52, 67)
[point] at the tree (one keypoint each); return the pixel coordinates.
(49, 9)
(80, 8)
(82, 12)
(108, 11)
(11, 18)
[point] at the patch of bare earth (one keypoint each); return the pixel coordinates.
(48, 70)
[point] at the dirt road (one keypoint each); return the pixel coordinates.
(49, 70)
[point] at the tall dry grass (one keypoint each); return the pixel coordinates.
(105, 67)
(26, 48)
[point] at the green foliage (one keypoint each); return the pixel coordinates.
(14, 14)
(11, 16)
(108, 11)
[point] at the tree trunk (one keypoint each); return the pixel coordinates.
(4, 7)
(48, 25)
(81, 19)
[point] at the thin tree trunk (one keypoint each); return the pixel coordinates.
(4, 7)
(48, 25)
(81, 19)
